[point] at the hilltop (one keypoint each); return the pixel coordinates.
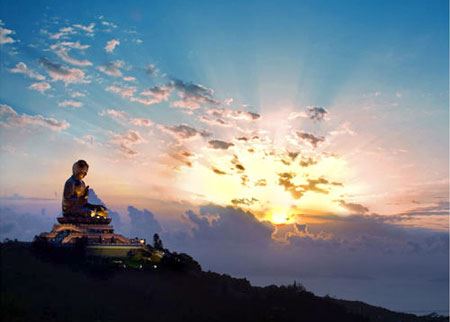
(36, 288)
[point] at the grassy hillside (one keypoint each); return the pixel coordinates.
(35, 288)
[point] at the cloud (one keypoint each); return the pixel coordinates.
(285, 180)
(141, 122)
(5, 35)
(142, 223)
(218, 171)
(192, 96)
(115, 114)
(295, 115)
(125, 141)
(70, 103)
(61, 73)
(151, 70)
(244, 201)
(124, 91)
(183, 132)
(23, 226)
(222, 226)
(154, 95)
(111, 45)
(237, 164)
(22, 68)
(307, 162)
(62, 51)
(354, 207)
(77, 94)
(316, 113)
(109, 24)
(215, 121)
(218, 144)
(181, 155)
(9, 117)
(310, 138)
(89, 29)
(112, 68)
(63, 33)
(40, 87)
(226, 113)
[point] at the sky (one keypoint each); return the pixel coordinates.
(296, 140)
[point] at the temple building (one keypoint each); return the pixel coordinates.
(97, 235)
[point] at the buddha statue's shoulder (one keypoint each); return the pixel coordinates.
(74, 181)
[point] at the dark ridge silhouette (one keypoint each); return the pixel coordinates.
(66, 286)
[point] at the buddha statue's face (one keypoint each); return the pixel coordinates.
(80, 172)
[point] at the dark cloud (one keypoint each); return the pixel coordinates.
(316, 113)
(112, 68)
(237, 164)
(214, 121)
(192, 96)
(244, 180)
(223, 225)
(440, 209)
(354, 207)
(244, 201)
(307, 161)
(221, 145)
(23, 226)
(261, 183)
(10, 117)
(183, 132)
(19, 197)
(313, 185)
(62, 73)
(142, 223)
(310, 138)
(217, 171)
(182, 156)
(297, 191)
(230, 114)
(285, 180)
(151, 70)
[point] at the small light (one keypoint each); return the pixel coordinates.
(154, 266)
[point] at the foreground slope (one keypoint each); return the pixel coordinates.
(39, 289)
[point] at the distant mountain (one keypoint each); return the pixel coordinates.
(35, 288)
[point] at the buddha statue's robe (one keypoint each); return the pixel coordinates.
(75, 200)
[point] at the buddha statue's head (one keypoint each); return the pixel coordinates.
(80, 169)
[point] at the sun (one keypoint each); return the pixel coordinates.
(279, 218)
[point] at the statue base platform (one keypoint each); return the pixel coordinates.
(84, 220)
(96, 234)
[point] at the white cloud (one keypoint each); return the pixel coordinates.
(22, 68)
(70, 103)
(125, 92)
(114, 114)
(40, 86)
(89, 29)
(112, 68)
(111, 45)
(5, 35)
(63, 32)
(62, 51)
(64, 74)
(77, 94)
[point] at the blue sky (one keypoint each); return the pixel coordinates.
(317, 118)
